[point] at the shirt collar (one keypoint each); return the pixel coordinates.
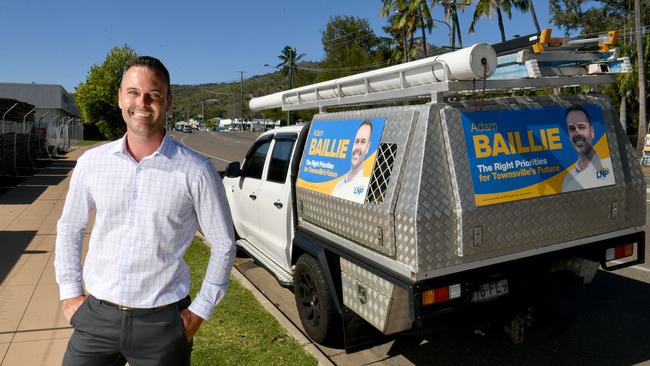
(166, 148)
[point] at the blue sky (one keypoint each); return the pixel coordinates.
(56, 42)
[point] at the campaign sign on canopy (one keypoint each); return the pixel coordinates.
(339, 157)
(527, 153)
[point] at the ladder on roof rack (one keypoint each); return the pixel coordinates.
(534, 63)
(542, 56)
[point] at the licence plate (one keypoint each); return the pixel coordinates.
(490, 290)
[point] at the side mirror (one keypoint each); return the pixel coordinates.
(233, 170)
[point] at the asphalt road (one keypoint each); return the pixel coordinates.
(607, 323)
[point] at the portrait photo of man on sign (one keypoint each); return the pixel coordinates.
(591, 170)
(340, 156)
(354, 184)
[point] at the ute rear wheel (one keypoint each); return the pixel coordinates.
(314, 300)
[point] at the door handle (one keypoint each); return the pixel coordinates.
(252, 196)
(278, 204)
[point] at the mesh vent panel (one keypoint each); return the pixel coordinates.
(381, 173)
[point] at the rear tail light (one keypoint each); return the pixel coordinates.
(618, 252)
(441, 294)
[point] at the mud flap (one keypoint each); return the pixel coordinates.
(358, 334)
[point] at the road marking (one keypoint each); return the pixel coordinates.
(202, 153)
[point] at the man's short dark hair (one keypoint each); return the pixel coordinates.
(577, 108)
(366, 122)
(151, 63)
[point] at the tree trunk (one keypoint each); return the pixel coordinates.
(424, 42)
(622, 113)
(452, 35)
(641, 68)
(460, 40)
(500, 18)
(531, 7)
(424, 36)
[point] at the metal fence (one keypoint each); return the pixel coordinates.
(23, 140)
(60, 133)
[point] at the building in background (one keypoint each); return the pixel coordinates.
(55, 117)
(52, 102)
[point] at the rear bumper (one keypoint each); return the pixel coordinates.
(530, 280)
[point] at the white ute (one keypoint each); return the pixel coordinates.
(396, 216)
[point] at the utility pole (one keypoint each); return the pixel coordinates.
(241, 94)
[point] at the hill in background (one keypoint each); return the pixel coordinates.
(224, 100)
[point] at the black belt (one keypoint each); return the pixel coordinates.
(183, 303)
(128, 308)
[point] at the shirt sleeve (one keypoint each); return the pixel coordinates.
(69, 235)
(215, 221)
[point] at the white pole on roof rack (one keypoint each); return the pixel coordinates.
(475, 62)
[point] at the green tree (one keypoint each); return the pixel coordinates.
(451, 12)
(289, 63)
(595, 17)
(407, 17)
(350, 47)
(489, 7)
(533, 14)
(289, 67)
(96, 97)
(396, 47)
(401, 19)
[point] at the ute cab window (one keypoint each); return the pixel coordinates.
(280, 157)
(255, 158)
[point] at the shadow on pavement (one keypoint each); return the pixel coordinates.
(12, 247)
(607, 323)
(21, 195)
(24, 190)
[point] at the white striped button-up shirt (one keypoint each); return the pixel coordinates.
(146, 216)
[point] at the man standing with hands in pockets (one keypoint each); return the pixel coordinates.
(150, 195)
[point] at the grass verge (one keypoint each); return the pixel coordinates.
(240, 331)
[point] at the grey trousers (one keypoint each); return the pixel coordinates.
(105, 335)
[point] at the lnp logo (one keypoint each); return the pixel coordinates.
(602, 174)
(359, 190)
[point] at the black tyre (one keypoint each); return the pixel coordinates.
(314, 300)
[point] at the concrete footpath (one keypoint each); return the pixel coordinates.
(33, 330)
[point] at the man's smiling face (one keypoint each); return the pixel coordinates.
(581, 132)
(143, 98)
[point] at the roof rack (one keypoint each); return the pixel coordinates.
(532, 63)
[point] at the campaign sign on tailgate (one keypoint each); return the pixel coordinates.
(526, 153)
(339, 157)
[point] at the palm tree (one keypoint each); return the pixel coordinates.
(288, 67)
(451, 12)
(397, 53)
(397, 27)
(407, 17)
(422, 19)
(489, 7)
(531, 7)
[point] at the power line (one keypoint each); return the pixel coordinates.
(344, 35)
(350, 68)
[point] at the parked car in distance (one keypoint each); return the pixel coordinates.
(187, 129)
